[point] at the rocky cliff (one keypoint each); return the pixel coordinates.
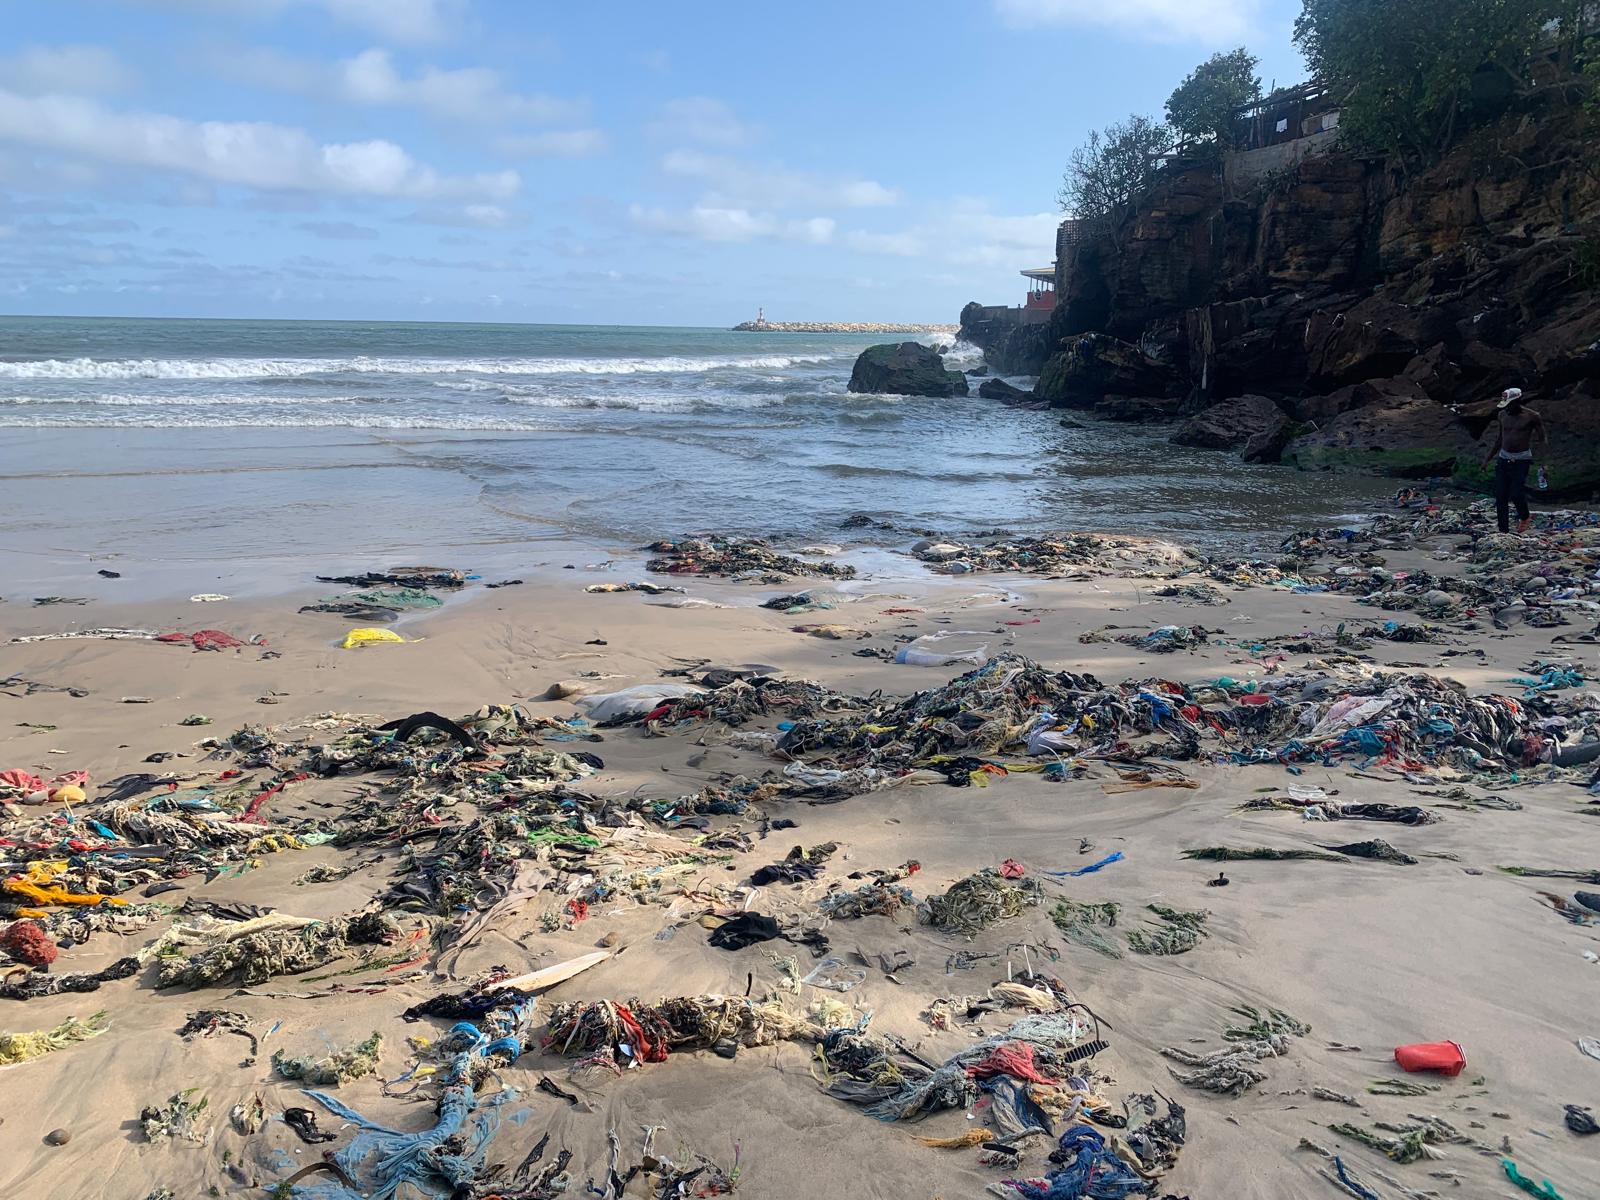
(1380, 311)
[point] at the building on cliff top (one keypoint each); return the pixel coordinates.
(1274, 134)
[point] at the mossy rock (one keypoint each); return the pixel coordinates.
(1421, 462)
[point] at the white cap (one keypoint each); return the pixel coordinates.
(1507, 396)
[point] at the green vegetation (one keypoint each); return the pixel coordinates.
(1112, 169)
(1200, 110)
(1410, 76)
(1586, 262)
(1413, 74)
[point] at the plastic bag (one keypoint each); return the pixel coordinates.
(929, 650)
(361, 637)
(634, 701)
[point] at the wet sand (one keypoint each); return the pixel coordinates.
(1371, 955)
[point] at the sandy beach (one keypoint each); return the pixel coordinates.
(1370, 954)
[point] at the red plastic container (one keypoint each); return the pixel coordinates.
(1445, 1057)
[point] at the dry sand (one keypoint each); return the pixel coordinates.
(1370, 954)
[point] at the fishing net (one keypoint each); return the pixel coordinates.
(20, 1047)
(355, 1061)
(979, 901)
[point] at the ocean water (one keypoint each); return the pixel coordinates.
(192, 440)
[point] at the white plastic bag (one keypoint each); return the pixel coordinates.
(634, 701)
(930, 650)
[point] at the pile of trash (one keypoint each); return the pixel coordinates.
(733, 698)
(1541, 579)
(737, 558)
(403, 577)
(377, 605)
(1167, 639)
(1061, 556)
(1010, 713)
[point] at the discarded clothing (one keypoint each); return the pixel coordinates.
(1089, 1168)
(747, 929)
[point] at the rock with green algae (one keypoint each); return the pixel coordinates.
(1408, 438)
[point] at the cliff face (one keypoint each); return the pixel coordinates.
(1368, 304)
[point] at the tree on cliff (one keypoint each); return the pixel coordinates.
(1200, 110)
(1407, 67)
(1112, 169)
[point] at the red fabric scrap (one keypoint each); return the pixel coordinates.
(204, 639)
(1014, 1059)
(577, 909)
(249, 814)
(1012, 869)
(215, 639)
(22, 780)
(643, 1048)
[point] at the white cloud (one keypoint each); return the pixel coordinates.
(84, 70)
(1212, 22)
(967, 234)
(463, 94)
(709, 224)
(402, 20)
(737, 184)
(816, 230)
(469, 216)
(558, 143)
(701, 119)
(248, 153)
(394, 20)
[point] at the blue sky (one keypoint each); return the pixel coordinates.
(609, 162)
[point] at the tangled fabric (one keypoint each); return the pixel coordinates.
(1089, 1168)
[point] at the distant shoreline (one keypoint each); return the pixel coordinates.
(837, 327)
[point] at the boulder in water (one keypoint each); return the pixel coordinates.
(906, 369)
(999, 389)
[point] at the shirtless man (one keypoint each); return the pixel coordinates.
(1512, 455)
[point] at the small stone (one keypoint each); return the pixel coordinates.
(610, 939)
(58, 1137)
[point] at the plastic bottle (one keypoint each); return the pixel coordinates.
(1544, 481)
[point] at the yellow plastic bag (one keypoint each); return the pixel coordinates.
(361, 637)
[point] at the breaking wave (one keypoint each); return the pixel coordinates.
(279, 368)
(184, 421)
